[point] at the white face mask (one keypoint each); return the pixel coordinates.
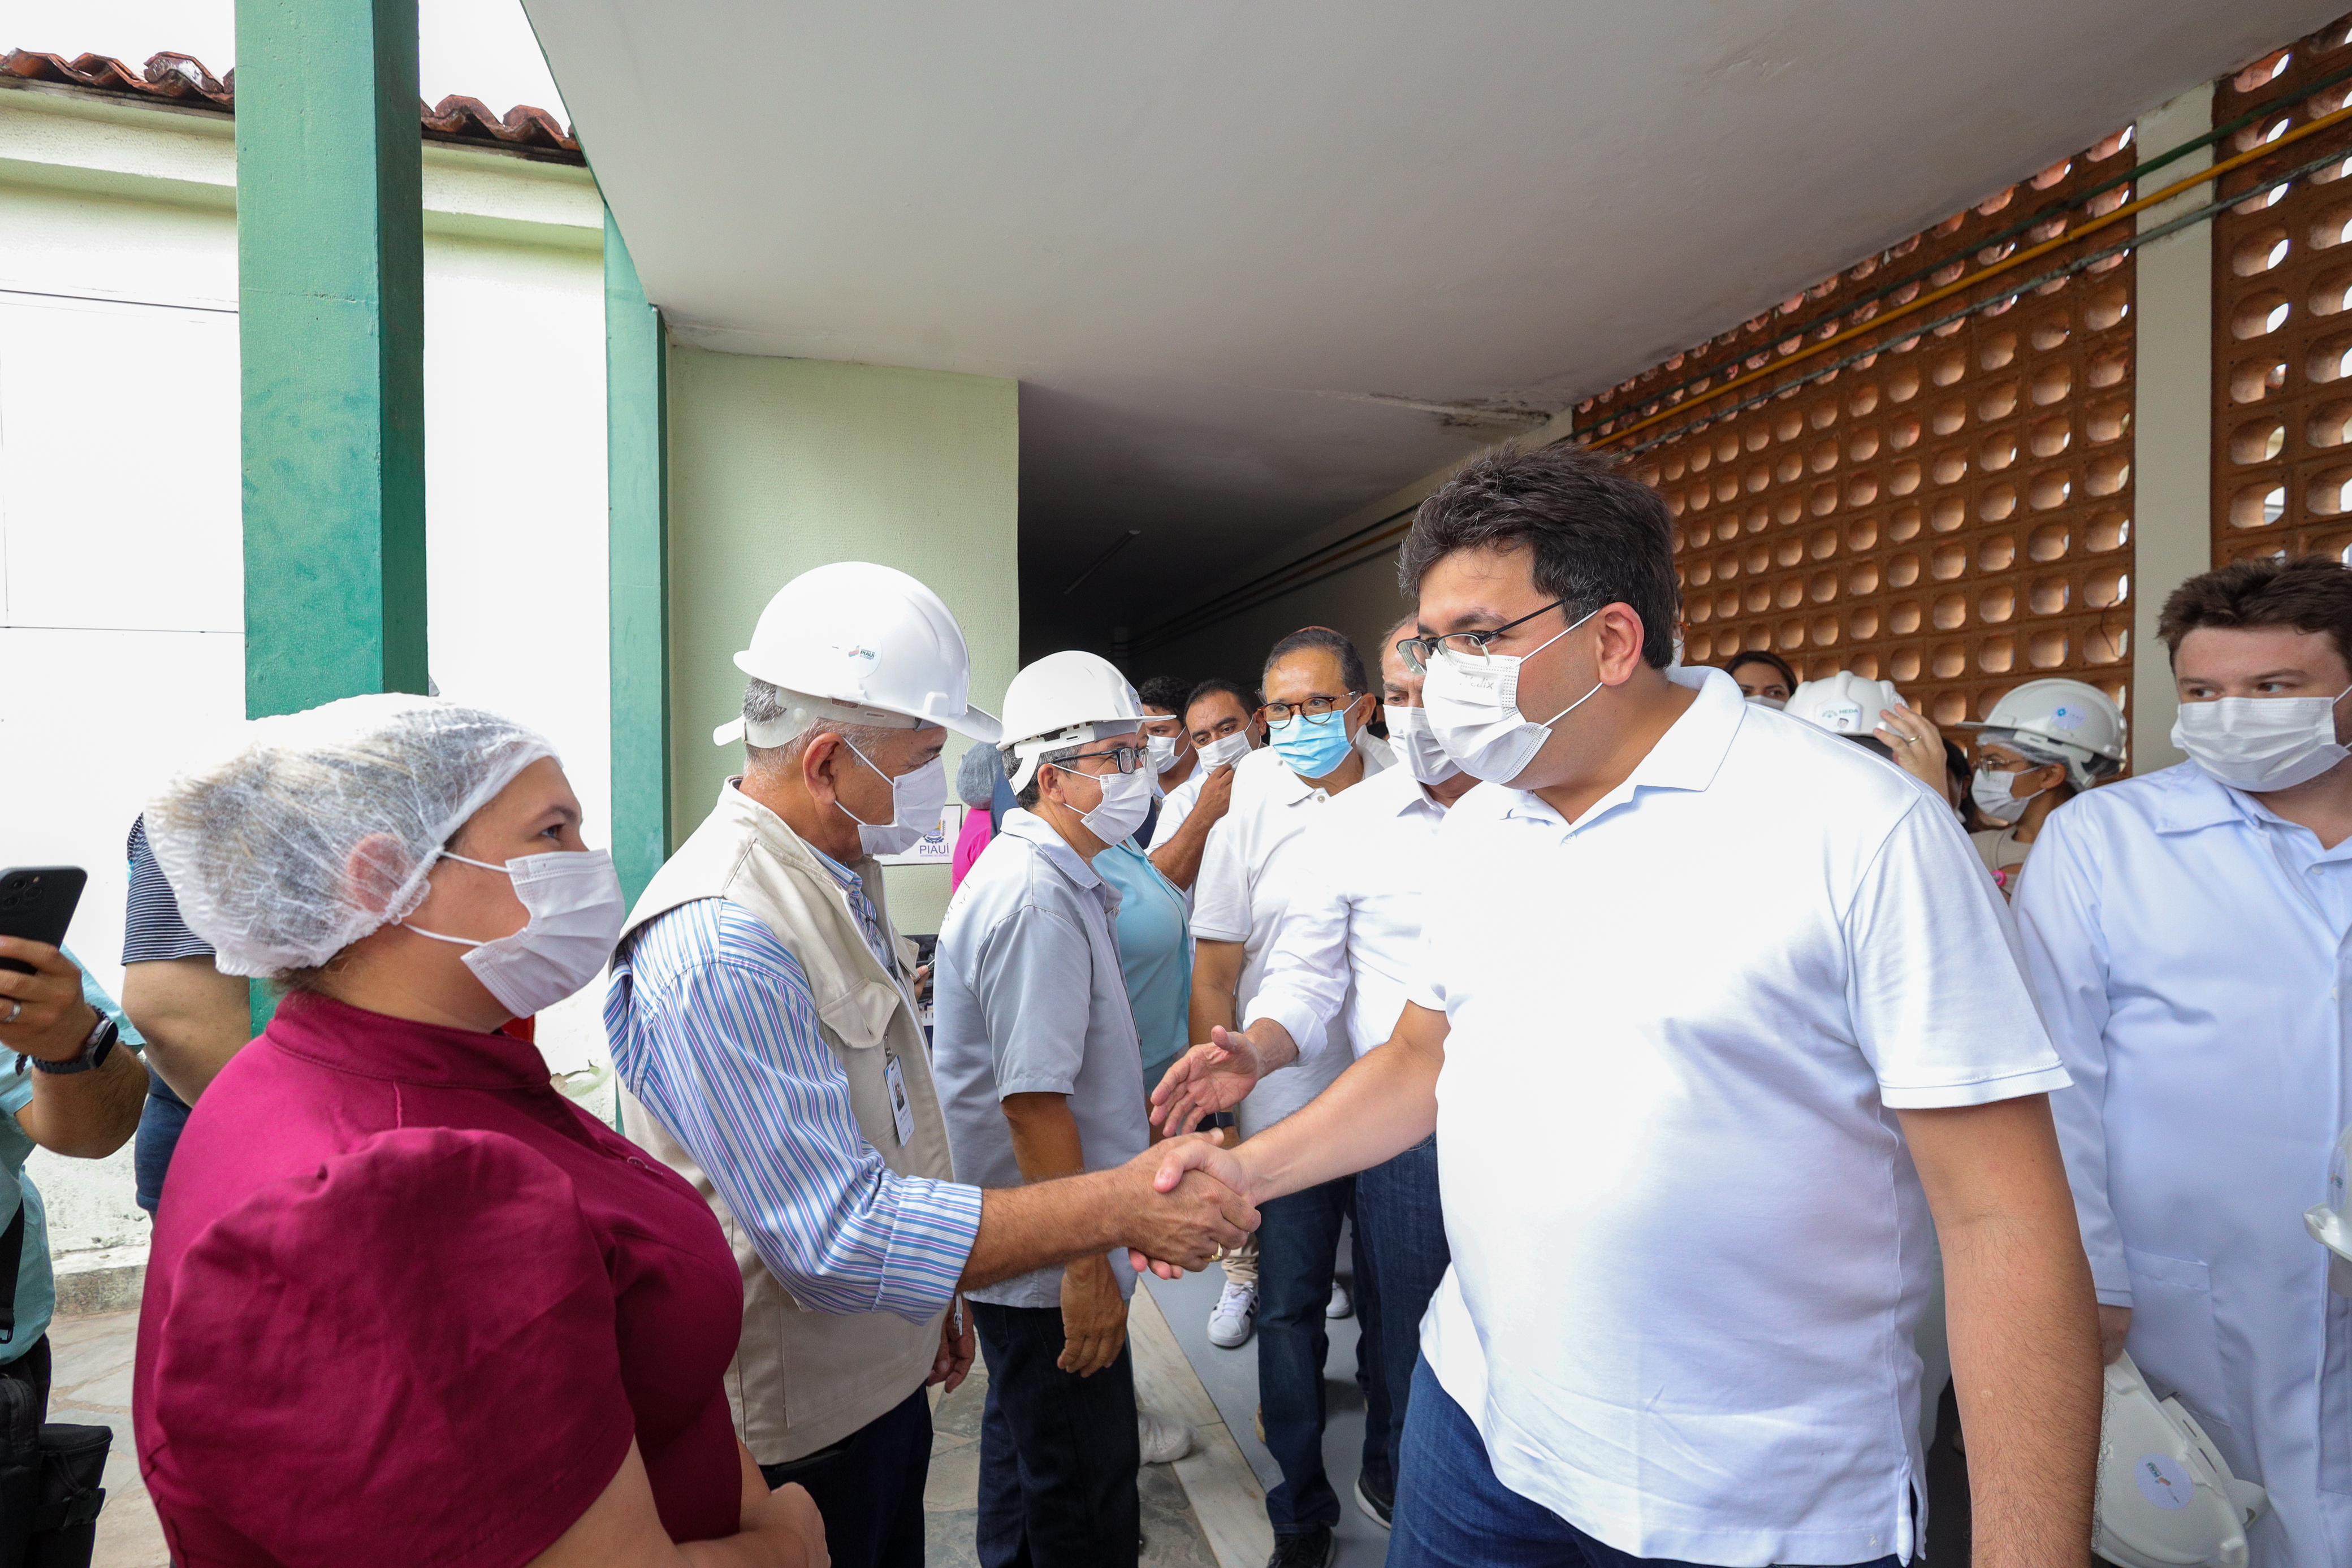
(1776, 703)
(2260, 743)
(1126, 801)
(573, 900)
(1424, 758)
(917, 799)
(1474, 710)
(1164, 755)
(1226, 749)
(1991, 789)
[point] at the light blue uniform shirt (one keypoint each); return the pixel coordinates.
(36, 1288)
(1032, 1000)
(1155, 954)
(2192, 954)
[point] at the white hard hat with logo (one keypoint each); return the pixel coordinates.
(2330, 1223)
(2166, 1500)
(864, 644)
(1063, 700)
(2058, 720)
(1843, 703)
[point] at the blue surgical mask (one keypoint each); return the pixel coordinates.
(1312, 747)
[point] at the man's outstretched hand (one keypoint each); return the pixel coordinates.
(1177, 1166)
(1205, 1080)
(1183, 1216)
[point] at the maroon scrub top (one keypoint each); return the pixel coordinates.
(407, 1304)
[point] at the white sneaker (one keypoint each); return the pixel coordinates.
(1236, 1315)
(1341, 1305)
(1163, 1441)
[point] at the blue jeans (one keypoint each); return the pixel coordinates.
(1401, 1257)
(1059, 1452)
(161, 1121)
(1298, 1242)
(1452, 1511)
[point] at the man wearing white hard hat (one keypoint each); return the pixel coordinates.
(2042, 744)
(2187, 932)
(762, 1017)
(1041, 1073)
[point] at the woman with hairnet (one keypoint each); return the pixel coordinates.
(405, 1303)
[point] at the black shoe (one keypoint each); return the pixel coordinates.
(1372, 1504)
(1316, 1548)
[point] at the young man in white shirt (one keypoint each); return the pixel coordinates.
(1347, 945)
(2185, 932)
(1688, 1170)
(1318, 701)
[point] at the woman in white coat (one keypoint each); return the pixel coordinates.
(2185, 933)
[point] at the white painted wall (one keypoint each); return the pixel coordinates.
(120, 568)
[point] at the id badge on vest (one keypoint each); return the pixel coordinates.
(902, 1110)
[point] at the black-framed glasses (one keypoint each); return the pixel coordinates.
(1124, 758)
(1417, 652)
(1313, 707)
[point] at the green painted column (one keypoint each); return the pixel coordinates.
(331, 297)
(636, 400)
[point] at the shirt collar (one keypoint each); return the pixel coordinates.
(2194, 799)
(1398, 793)
(400, 1051)
(1687, 757)
(835, 869)
(1029, 827)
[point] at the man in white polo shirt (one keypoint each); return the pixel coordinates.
(1318, 701)
(1345, 950)
(1715, 1011)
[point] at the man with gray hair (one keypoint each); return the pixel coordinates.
(762, 1019)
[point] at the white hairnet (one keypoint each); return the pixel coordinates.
(259, 846)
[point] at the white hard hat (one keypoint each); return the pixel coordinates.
(2074, 723)
(2329, 1223)
(1064, 699)
(1843, 703)
(870, 645)
(2166, 1499)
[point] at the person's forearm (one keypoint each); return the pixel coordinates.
(1025, 1229)
(2025, 1364)
(86, 1115)
(1046, 1142)
(193, 1017)
(1179, 860)
(1272, 1045)
(1216, 972)
(2023, 1325)
(1379, 1108)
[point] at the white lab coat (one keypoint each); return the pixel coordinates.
(2195, 989)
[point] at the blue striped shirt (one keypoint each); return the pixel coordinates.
(714, 1028)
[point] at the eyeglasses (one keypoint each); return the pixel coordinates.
(1313, 707)
(1417, 652)
(1124, 758)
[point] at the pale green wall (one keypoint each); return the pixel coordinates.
(777, 465)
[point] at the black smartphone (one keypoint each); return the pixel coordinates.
(37, 904)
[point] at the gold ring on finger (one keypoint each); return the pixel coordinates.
(1218, 1256)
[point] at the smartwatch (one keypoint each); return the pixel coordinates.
(95, 1048)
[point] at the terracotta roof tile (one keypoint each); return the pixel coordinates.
(182, 80)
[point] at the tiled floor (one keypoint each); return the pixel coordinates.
(91, 1382)
(92, 1385)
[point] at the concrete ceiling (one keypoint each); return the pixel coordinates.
(1256, 266)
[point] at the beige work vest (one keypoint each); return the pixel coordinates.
(805, 1379)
